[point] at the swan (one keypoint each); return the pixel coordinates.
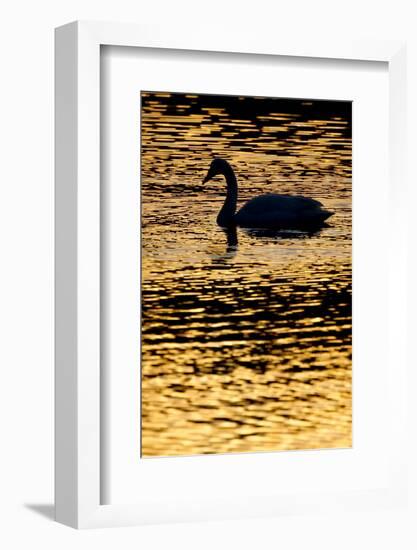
(266, 211)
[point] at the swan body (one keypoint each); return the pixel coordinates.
(266, 211)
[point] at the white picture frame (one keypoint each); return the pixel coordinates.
(78, 404)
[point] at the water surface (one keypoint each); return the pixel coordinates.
(246, 336)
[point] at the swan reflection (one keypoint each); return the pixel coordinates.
(232, 240)
(232, 245)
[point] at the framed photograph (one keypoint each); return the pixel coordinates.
(229, 329)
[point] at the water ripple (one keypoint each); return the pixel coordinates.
(246, 337)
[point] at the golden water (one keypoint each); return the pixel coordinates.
(246, 338)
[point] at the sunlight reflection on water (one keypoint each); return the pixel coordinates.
(246, 337)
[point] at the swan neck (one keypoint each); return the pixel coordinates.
(230, 179)
(227, 213)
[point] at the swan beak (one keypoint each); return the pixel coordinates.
(210, 174)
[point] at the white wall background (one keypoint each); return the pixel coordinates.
(26, 288)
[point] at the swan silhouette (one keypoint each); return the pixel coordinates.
(266, 211)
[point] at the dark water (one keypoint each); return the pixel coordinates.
(246, 337)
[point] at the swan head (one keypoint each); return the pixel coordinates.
(217, 166)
